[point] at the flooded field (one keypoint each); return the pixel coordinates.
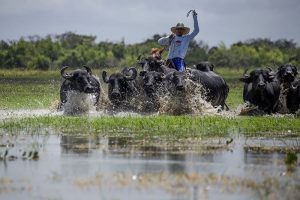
(59, 165)
(46, 154)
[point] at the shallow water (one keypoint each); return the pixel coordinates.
(23, 113)
(93, 167)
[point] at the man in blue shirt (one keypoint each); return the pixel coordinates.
(178, 42)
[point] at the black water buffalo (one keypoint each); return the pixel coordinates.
(151, 81)
(79, 82)
(121, 87)
(287, 76)
(175, 81)
(293, 97)
(151, 64)
(216, 89)
(261, 89)
(152, 87)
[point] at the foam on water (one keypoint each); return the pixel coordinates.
(4, 114)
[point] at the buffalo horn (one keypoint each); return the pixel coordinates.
(133, 75)
(105, 77)
(62, 72)
(245, 73)
(271, 72)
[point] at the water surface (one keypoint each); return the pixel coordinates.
(78, 166)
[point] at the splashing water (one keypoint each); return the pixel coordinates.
(189, 101)
(79, 103)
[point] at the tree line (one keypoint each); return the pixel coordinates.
(75, 50)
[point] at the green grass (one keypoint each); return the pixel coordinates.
(13, 74)
(164, 126)
(29, 95)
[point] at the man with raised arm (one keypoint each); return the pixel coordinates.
(178, 43)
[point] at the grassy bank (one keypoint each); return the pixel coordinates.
(168, 126)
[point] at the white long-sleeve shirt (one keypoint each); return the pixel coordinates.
(179, 45)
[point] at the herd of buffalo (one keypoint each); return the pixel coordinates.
(270, 91)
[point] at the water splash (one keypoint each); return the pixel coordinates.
(79, 103)
(189, 101)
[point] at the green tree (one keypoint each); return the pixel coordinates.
(40, 62)
(198, 51)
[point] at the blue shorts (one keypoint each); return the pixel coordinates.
(179, 64)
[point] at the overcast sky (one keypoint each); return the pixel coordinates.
(137, 20)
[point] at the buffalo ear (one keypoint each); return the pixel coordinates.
(271, 77)
(295, 70)
(105, 77)
(242, 79)
(246, 79)
(143, 73)
(212, 66)
(89, 71)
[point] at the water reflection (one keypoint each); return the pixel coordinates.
(177, 166)
(135, 167)
(76, 144)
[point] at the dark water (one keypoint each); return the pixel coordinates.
(91, 167)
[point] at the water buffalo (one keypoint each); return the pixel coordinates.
(261, 89)
(121, 87)
(293, 97)
(290, 87)
(175, 81)
(76, 87)
(216, 89)
(287, 75)
(151, 64)
(151, 83)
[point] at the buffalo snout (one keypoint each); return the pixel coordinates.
(115, 95)
(89, 89)
(179, 87)
(289, 76)
(261, 85)
(149, 88)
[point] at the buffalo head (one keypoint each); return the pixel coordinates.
(118, 83)
(151, 64)
(205, 66)
(151, 80)
(287, 73)
(80, 80)
(177, 79)
(258, 78)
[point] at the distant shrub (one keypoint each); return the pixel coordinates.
(41, 62)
